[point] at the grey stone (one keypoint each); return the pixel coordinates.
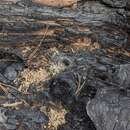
(17, 66)
(10, 73)
(3, 65)
(110, 110)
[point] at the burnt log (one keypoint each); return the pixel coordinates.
(25, 23)
(107, 22)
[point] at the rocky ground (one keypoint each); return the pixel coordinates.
(64, 65)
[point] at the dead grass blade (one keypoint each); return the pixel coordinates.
(39, 45)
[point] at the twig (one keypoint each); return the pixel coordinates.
(12, 104)
(7, 60)
(9, 86)
(80, 85)
(4, 89)
(39, 45)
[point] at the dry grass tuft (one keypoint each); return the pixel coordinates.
(29, 77)
(84, 44)
(56, 118)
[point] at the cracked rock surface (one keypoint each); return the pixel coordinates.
(109, 110)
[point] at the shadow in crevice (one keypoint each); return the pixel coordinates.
(77, 118)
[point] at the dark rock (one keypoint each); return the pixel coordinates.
(11, 72)
(11, 64)
(62, 88)
(3, 65)
(110, 109)
(17, 66)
